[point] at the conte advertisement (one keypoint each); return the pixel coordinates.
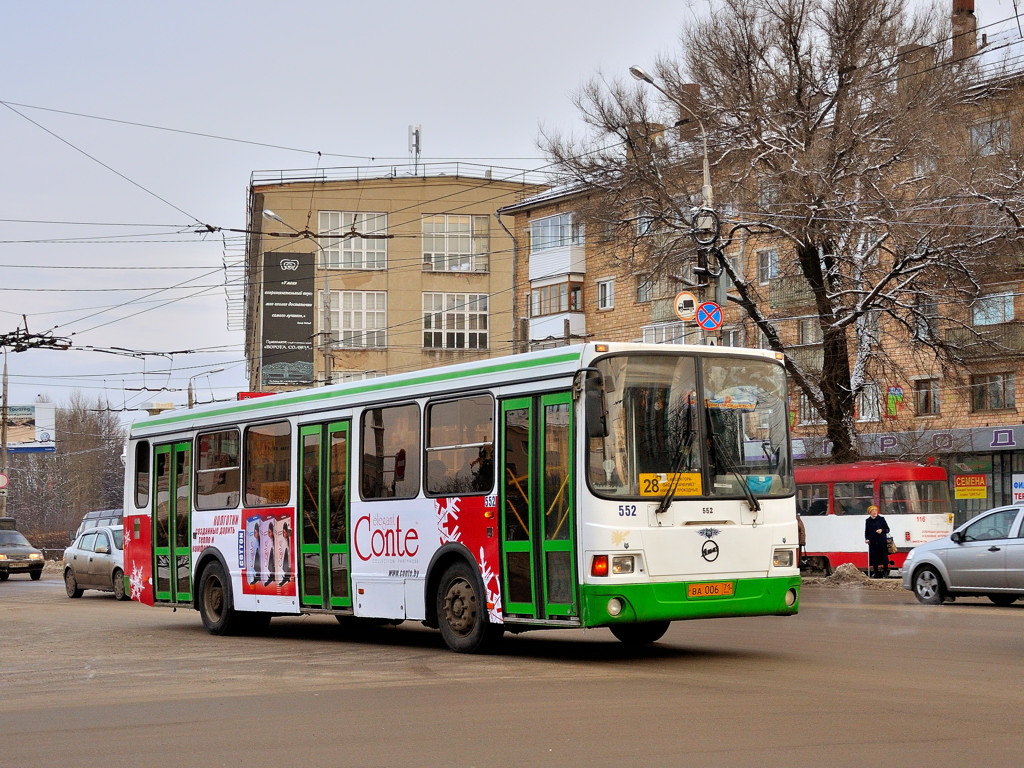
(30, 428)
(287, 319)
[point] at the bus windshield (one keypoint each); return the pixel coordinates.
(704, 425)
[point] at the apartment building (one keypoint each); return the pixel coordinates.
(577, 280)
(355, 273)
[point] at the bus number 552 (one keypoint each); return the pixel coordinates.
(627, 510)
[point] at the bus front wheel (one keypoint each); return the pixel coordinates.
(462, 612)
(640, 634)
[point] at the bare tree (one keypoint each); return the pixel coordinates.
(837, 134)
(51, 491)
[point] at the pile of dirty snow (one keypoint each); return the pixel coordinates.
(849, 575)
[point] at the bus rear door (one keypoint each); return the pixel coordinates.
(537, 507)
(172, 554)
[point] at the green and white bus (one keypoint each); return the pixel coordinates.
(601, 485)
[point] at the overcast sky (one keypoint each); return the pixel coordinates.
(126, 124)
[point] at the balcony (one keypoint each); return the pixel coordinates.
(985, 341)
(789, 292)
(560, 260)
(810, 358)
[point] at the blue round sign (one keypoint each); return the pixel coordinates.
(709, 316)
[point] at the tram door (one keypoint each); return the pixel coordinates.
(172, 556)
(323, 509)
(537, 507)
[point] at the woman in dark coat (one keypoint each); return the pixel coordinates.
(875, 532)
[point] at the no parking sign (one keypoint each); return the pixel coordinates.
(709, 316)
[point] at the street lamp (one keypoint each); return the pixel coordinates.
(707, 194)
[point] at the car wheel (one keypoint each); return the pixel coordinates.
(4, 575)
(71, 585)
(1002, 599)
(640, 634)
(462, 612)
(928, 587)
(216, 605)
(36, 575)
(117, 582)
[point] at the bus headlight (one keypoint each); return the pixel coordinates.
(783, 558)
(623, 564)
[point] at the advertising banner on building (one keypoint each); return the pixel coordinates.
(31, 428)
(287, 312)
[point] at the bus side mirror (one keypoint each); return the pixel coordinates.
(593, 407)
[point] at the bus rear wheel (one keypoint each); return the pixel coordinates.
(216, 605)
(640, 634)
(462, 612)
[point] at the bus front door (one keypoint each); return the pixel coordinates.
(172, 555)
(537, 507)
(324, 510)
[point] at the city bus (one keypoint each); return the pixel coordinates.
(833, 500)
(600, 485)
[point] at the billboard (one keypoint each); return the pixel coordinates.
(31, 428)
(287, 312)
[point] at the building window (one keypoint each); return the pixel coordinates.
(344, 377)
(925, 165)
(455, 320)
(991, 137)
(808, 331)
(926, 397)
(456, 243)
(993, 391)
(644, 290)
(358, 319)
(555, 231)
(732, 337)
(926, 318)
(808, 413)
(767, 266)
(868, 404)
(605, 294)
(360, 243)
(670, 333)
(556, 299)
(992, 309)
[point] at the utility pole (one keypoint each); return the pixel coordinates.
(3, 439)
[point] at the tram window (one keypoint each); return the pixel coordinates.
(460, 446)
(853, 498)
(217, 470)
(268, 464)
(390, 456)
(812, 499)
(142, 470)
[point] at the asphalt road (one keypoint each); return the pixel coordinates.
(861, 677)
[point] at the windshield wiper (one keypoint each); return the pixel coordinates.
(686, 440)
(722, 458)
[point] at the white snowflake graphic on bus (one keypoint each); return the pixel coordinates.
(465, 520)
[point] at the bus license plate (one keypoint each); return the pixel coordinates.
(711, 589)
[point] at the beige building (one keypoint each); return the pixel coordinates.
(357, 273)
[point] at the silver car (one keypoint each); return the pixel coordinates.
(984, 557)
(96, 561)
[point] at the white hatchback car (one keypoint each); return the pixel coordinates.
(984, 557)
(96, 561)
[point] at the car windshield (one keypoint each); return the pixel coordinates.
(13, 539)
(705, 425)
